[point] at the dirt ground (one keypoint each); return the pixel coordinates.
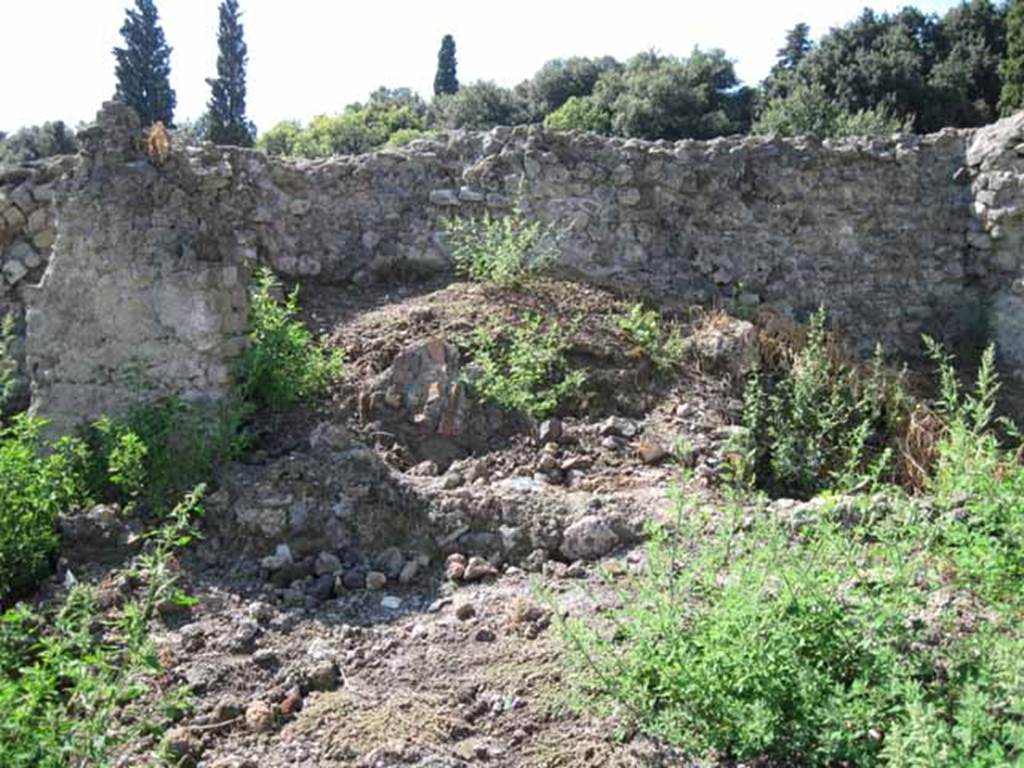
(437, 671)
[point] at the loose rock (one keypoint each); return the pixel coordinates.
(589, 538)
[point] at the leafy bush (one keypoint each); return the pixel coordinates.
(580, 113)
(876, 630)
(979, 481)
(283, 364)
(819, 423)
(505, 250)
(808, 109)
(816, 650)
(37, 142)
(404, 136)
(159, 450)
(66, 673)
(389, 114)
(644, 328)
(35, 486)
(526, 370)
(479, 106)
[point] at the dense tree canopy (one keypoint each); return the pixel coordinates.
(562, 79)
(479, 105)
(389, 116)
(226, 122)
(36, 142)
(662, 97)
(927, 70)
(1012, 69)
(143, 66)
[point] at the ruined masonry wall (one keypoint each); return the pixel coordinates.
(148, 261)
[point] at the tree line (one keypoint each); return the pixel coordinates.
(879, 73)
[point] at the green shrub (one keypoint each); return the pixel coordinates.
(809, 650)
(35, 486)
(8, 366)
(67, 674)
(159, 450)
(48, 662)
(979, 481)
(808, 109)
(525, 370)
(877, 630)
(283, 364)
(819, 423)
(580, 113)
(404, 136)
(505, 250)
(643, 327)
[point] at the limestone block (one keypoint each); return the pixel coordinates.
(444, 197)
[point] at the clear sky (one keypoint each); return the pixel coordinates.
(315, 56)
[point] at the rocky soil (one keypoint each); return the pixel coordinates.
(381, 582)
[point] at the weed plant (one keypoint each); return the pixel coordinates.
(644, 328)
(525, 369)
(504, 250)
(884, 631)
(820, 423)
(283, 364)
(65, 674)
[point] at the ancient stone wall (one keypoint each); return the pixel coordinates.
(143, 293)
(894, 237)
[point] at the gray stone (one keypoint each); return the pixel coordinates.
(14, 271)
(390, 561)
(376, 580)
(618, 427)
(326, 562)
(282, 556)
(589, 538)
(353, 579)
(409, 571)
(469, 195)
(444, 197)
(478, 568)
(549, 431)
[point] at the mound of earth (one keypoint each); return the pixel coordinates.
(379, 580)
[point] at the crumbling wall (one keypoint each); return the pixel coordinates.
(996, 238)
(142, 295)
(27, 234)
(146, 279)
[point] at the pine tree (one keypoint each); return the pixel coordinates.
(782, 79)
(798, 44)
(226, 120)
(445, 80)
(143, 66)
(1011, 98)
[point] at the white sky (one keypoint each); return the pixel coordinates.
(313, 56)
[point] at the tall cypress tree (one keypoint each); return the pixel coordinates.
(226, 120)
(1011, 98)
(798, 44)
(445, 80)
(143, 66)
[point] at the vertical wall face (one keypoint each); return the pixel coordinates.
(996, 241)
(146, 281)
(139, 297)
(27, 234)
